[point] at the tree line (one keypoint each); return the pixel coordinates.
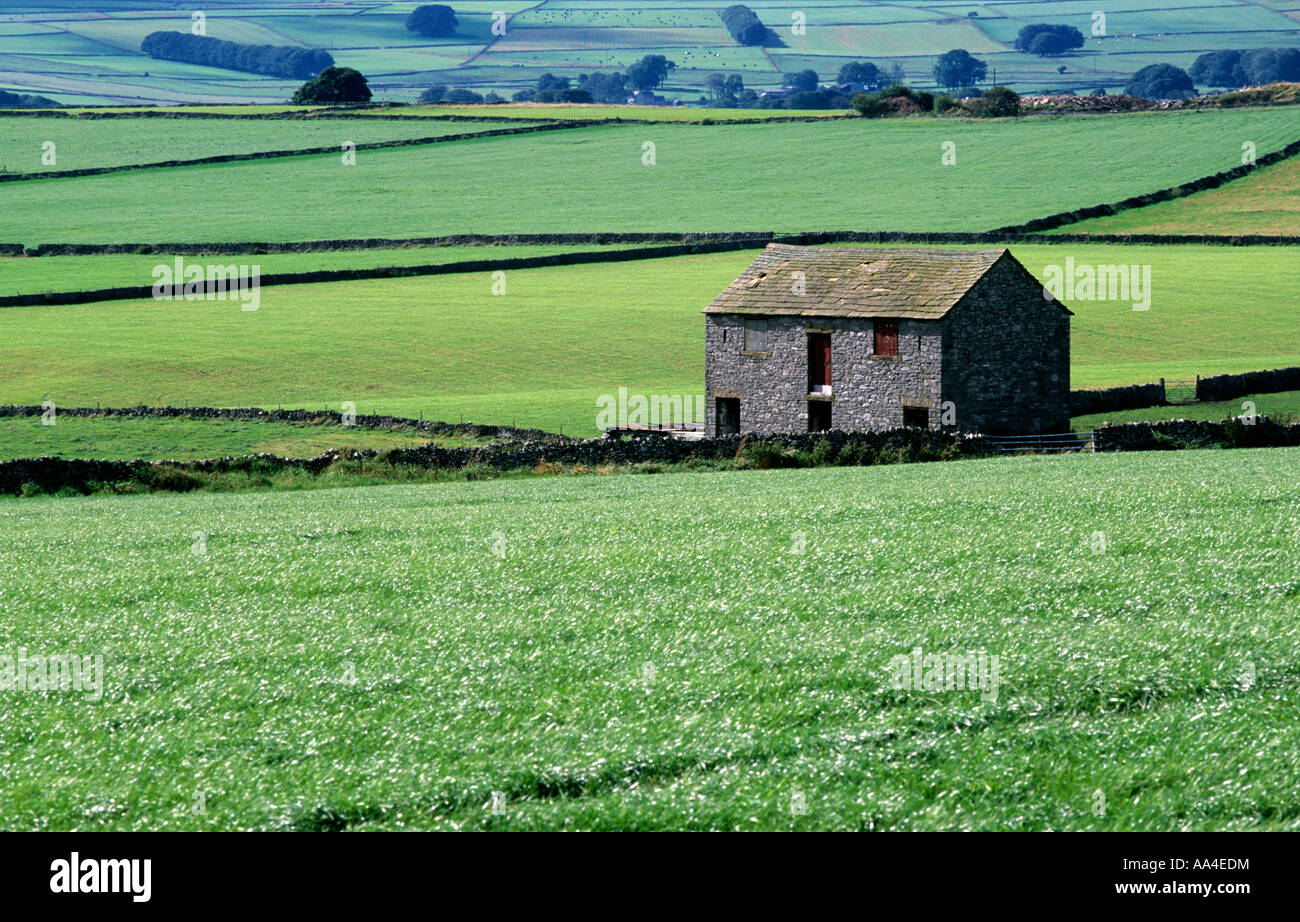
(269, 60)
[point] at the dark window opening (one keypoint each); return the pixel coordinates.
(886, 337)
(728, 415)
(819, 363)
(819, 415)
(916, 417)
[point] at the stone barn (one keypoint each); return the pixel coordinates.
(858, 338)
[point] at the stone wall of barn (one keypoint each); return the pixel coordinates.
(868, 391)
(1006, 360)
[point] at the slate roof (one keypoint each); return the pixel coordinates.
(904, 283)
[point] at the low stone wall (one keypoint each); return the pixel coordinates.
(1196, 433)
(53, 474)
(364, 421)
(1229, 387)
(266, 154)
(1111, 399)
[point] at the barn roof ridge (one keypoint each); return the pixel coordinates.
(919, 283)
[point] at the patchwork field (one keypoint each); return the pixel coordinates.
(542, 353)
(850, 174)
(84, 53)
(388, 658)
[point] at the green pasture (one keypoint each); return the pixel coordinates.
(683, 651)
(80, 143)
(542, 353)
(36, 275)
(841, 174)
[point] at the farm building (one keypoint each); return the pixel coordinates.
(857, 338)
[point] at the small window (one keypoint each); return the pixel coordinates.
(727, 415)
(916, 417)
(886, 337)
(819, 415)
(757, 337)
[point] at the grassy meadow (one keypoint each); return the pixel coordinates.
(845, 174)
(388, 658)
(540, 354)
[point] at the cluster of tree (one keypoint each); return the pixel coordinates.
(270, 60)
(332, 86)
(10, 100)
(645, 75)
(869, 75)
(1253, 67)
(744, 25)
(958, 68)
(440, 92)
(1047, 40)
(433, 20)
(1161, 81)
(995, 102)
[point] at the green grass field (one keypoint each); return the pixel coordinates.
(83, 143)
(1266, 202)
(35, 275)
(125, 438)
(542, 353)
(849, 174)
(388, 658)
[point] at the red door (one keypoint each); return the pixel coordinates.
(819, 361)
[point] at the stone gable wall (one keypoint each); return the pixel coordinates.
(1007, 357)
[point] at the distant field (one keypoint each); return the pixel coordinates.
(542, 353)
(81, 52)
(23, 275)
(81, 143)
(846, 174)
(386, 658)
(185, 439)
(1266, 202)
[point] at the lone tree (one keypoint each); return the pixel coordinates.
(1161, 81)
(433, 19)
(333, 85)
(958, 68)
(649, 72)
(1044, 39)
